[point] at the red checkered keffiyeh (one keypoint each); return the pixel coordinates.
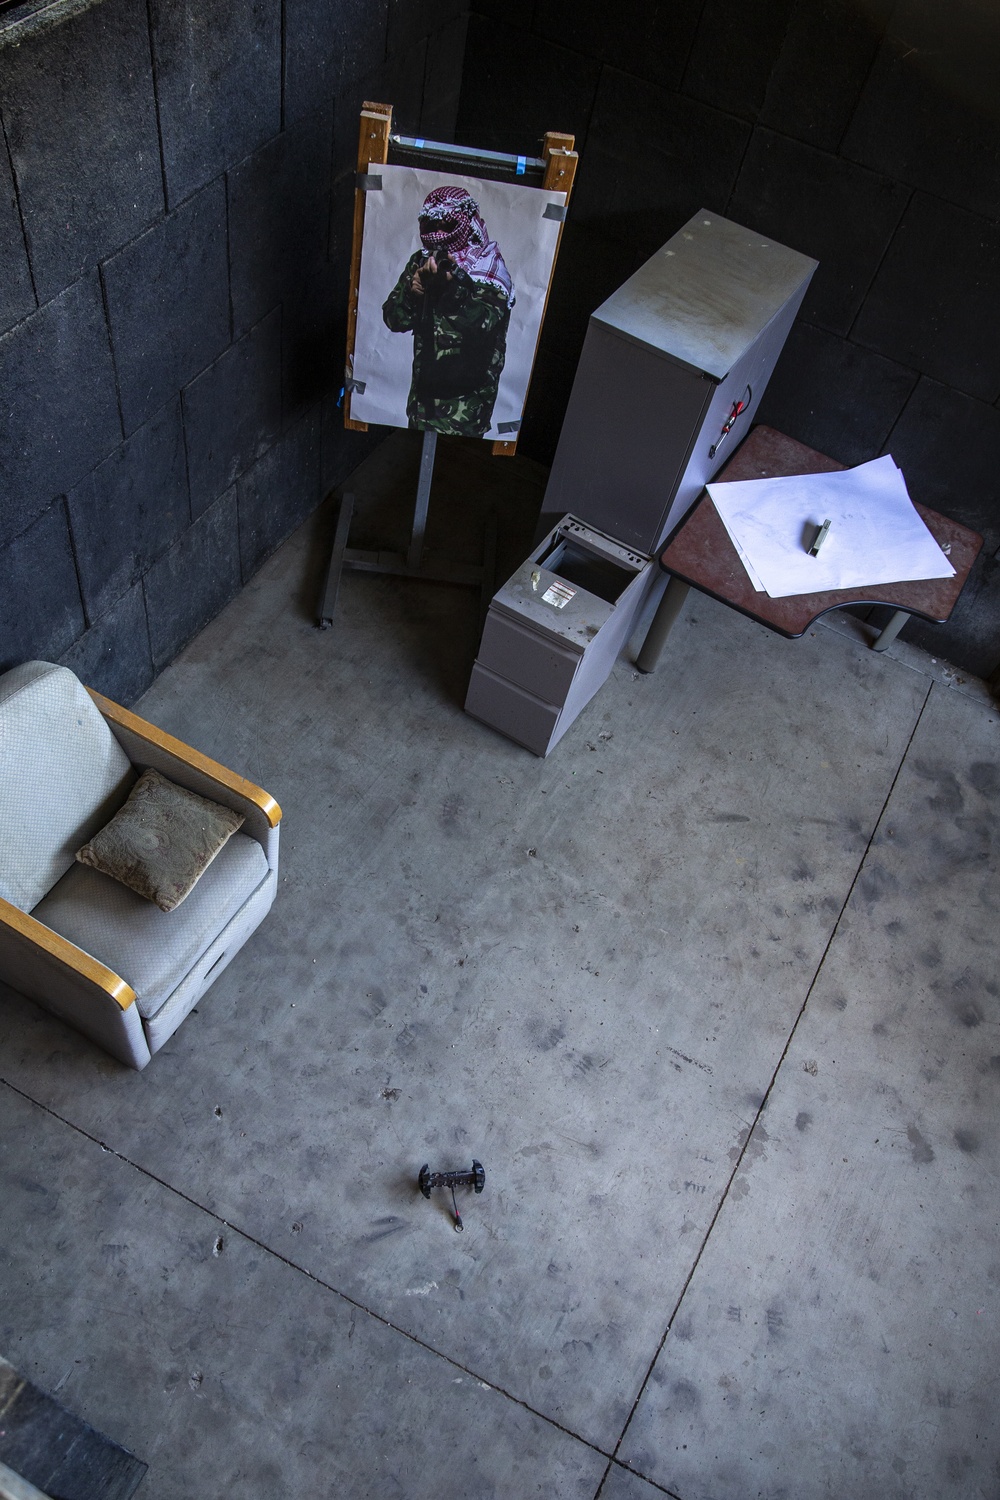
(451, 224)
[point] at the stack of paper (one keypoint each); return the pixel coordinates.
(875, 535)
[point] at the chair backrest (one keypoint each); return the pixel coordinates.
(62, 776)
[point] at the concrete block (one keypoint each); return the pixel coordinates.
(279, 492)
(327, 46)
(409, 21)
(218, 82)
(821, 69)
(168, 304)
(399, 82)
(548, 396)
(341, 449)
(190, 584)
(690, 160)
(40, 608)
(928, 110)
(113, 656)
(341, 229)
(841, 214)
(80, 118)
(348, 102)
(734, 50)
(517, 86)
(313, 338)
(933, 304)
(360, 38)
(60, 410)
(130, 510)
(588, 270)
(17, 298)
(515, 13)
(836, 397)
(649, 40)
(946, 444)
(232, 412)
(443, 79)
(279, 206)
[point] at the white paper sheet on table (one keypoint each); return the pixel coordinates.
(876, 535)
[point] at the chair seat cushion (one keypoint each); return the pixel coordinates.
(151, 950)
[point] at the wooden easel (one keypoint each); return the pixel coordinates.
(554, 170)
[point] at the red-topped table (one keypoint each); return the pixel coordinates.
(701, 555)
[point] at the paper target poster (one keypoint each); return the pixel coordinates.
(454, 275)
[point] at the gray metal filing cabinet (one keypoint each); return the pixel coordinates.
(554, 632)
(673, 367)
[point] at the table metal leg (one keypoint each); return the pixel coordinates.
(667, 611)
(889, 634)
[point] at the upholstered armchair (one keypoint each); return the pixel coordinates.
(85, 947)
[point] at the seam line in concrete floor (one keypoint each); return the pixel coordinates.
(326, 1285)
(764, 1102)
(913, 658)
(616, 1463)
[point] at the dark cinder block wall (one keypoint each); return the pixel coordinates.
(175, 220)
(863, 132)
(176, 184)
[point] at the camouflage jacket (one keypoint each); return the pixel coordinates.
(459, 348)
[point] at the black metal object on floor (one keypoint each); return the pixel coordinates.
(475, 1179)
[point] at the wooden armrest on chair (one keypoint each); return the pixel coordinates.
(225, 779)
(78, 988)
(66, 955)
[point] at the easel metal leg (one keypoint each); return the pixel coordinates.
(332, 586)
(427, 453)
(667, 611)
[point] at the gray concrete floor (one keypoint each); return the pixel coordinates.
(712, 993)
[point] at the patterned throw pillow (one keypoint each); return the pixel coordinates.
(162, 841)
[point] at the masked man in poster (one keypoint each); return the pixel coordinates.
(455, 296)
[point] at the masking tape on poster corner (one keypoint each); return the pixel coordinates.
(555, 211)
(508, 426)
(370, 182)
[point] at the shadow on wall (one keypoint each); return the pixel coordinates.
(174, 252)
(862, 132)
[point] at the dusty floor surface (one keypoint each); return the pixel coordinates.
(712, 993)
